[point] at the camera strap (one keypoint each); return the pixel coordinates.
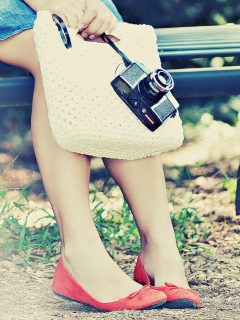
(125, 59)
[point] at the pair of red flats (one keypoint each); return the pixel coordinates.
(148, 297)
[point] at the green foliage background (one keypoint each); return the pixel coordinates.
(177, 13)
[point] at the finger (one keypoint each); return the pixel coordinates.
(98, 25)
(107, 27)
(61, 16)
(71, 12)
(79, 10)
(72, 19)
(112, 26)
(109, 16)
(91, 11)
(103, 22)
(104, 28)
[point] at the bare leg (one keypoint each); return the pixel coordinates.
(143, 185)
(66, 179)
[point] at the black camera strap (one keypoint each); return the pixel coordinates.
(106, 39)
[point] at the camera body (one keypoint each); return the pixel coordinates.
(147, 94)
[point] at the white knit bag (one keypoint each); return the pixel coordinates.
(85, 114)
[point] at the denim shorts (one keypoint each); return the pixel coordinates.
(16, 16)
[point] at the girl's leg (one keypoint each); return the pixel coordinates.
(66, 180)
(143, 185)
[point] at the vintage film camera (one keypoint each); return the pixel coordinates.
(147, 94)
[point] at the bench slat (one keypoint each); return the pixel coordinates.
(197, 42)
(203, 82)
(206, 82)
(16, 91)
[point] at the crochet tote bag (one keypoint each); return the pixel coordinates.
(85, 114)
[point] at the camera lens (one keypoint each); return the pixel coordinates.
(155, 85)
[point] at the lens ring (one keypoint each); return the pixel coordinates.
(155, 85)
(162, 80)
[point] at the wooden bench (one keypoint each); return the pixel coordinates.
(173, 44)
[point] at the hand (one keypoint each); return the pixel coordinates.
(91, 17)
(97, 19)
(71, 11)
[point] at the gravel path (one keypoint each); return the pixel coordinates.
(26, 293)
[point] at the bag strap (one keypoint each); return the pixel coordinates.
(62, 30)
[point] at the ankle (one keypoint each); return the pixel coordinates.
(164, 266)
(162, 246)
(158, 238)
(81, 247)
(73, 259)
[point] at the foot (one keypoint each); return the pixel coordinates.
(65, 286)
(100, 276)
(178, 297)
(164, 265)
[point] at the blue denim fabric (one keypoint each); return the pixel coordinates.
(113, 8)
(16, 16)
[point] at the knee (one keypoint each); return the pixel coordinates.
(20, 51)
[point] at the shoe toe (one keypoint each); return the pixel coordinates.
(180, 298)
(180, 304)
(146, 298)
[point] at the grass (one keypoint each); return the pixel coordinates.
(21, 242)
(30, 234)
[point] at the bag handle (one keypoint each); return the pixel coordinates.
(62, 30)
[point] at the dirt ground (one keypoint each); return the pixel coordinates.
(25, 292)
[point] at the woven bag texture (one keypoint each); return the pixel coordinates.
(85, 114)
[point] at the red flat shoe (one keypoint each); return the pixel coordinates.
(177, 297)
(65, 286)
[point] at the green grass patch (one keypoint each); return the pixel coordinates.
(29, 234)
